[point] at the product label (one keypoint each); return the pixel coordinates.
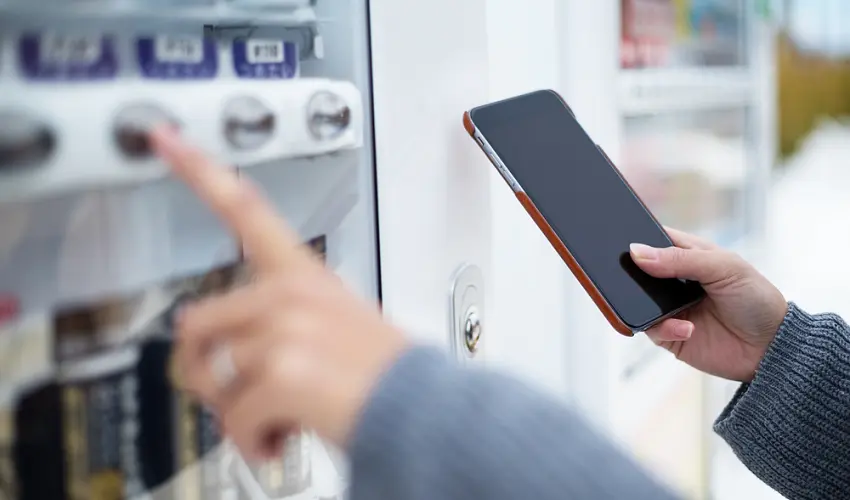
(55, 56)
(187, 450)
(177, 57)
(99, 387)
(212, 479)
(100, 430)
(262, 58)
(10, 308)
(83, 331)
(25, 352)
(290, 474)
(7, 468)
(198, 439)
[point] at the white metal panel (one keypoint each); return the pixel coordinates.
(429, 65)
(529, 317)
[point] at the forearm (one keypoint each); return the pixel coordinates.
(791, 425)
(436, 431)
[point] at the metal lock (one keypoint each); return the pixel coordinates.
(472, 330)
(466, 305)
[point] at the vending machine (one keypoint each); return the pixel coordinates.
(345, 112)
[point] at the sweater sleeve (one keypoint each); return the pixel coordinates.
(791, 425)
(435, 430)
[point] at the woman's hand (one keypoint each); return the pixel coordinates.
(298, 347)
(728, 333)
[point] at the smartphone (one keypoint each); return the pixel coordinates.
(583, 205)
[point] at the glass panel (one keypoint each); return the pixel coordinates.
(683, 33)
(691, 168)
(98, 246)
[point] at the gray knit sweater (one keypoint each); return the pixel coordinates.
(435, 431)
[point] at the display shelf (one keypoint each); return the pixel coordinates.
(679, 34)
(294, 13)
(649, 91)
(130, 239)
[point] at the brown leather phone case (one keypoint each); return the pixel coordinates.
(561, 248)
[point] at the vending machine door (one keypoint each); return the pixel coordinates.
(99, 245)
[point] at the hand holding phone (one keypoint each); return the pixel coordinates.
(583, 205)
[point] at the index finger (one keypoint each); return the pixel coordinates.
(267, 240)
(688, 241)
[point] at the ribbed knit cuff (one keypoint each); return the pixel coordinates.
(392, 419)
(791, 425)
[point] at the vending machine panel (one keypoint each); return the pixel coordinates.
(99, 245)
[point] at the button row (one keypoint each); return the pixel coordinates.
(248, 124)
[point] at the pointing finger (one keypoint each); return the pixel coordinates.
(208, 321)
(267, 240)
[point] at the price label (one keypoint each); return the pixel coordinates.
(57, 56)
(263, 58)
(177, 57)
(264, 52)
(70, 50)
(185, 50)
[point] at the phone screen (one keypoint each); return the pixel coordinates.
(582, 196)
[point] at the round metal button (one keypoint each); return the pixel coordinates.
(472, 330)
(132, 126)
(25, 141)
(248, 123)
(328, 115)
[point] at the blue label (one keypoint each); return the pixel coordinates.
(177, 57)
(67, 57)
(265, 59)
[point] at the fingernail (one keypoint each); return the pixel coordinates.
(684, 331)
(643, 252)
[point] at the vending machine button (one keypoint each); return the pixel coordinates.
(248, 123)
(132, 126)
(328, 116)
(24, 141)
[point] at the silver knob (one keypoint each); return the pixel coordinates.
(472, 331)
(24, 141)
(132, 126)
(248, 123)
(328, 116)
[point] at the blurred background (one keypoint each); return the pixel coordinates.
(735, 125)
